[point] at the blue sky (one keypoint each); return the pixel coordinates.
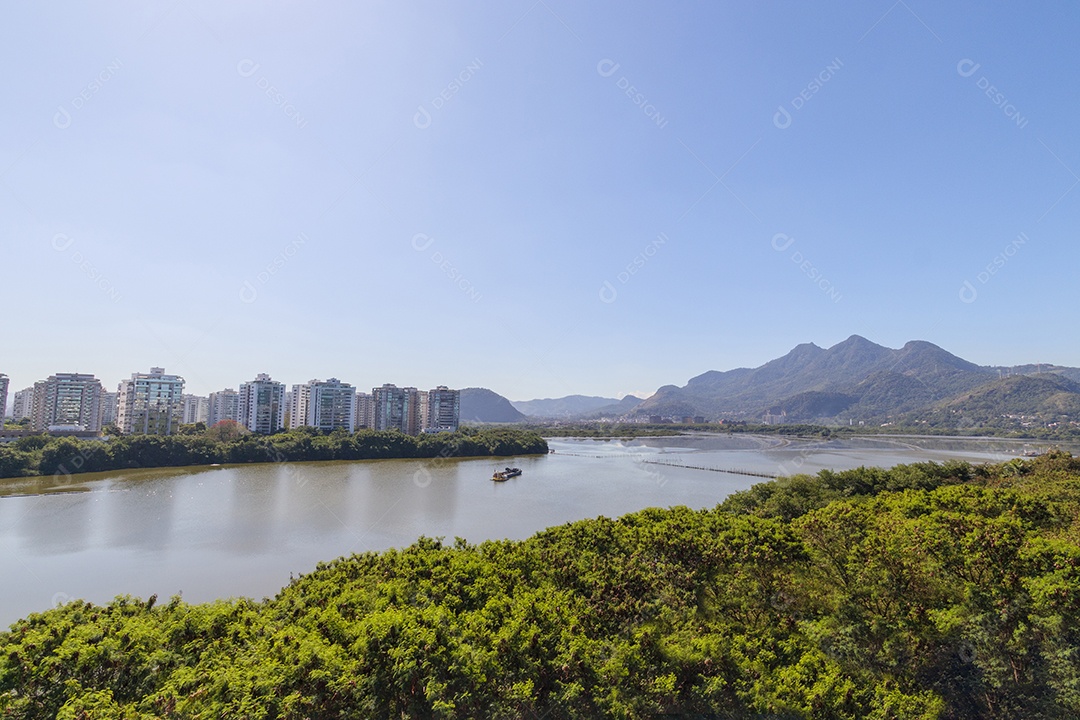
(540, 197)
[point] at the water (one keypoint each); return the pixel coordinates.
(242, 530)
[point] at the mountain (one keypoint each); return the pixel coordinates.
(855, 380)
(569, 406)
(483, 405)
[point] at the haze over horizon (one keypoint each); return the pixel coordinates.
(543, 199)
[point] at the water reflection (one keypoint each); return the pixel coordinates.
(54, 524)
(137, 514)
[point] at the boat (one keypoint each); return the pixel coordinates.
(504, 475)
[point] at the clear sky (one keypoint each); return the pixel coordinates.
(543, 197)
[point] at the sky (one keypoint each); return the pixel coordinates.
(541, 197)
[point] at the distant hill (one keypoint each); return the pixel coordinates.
(1010, 402)
(483, 405)
(858, 380)
(569, 406)
(623, 407)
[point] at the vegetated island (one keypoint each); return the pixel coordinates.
(924, 591)
(37, 455)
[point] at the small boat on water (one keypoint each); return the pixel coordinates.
(504, 475)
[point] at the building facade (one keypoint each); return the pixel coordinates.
(365, 411)
(151, 403)
(222, 405)
(331, 405)
(196, 409)
(110, 408)
(398, 409)
(443, 410)
(3, 398)
(262, 405)
(22, 404)
(298, 404)
(69, 401)
(391, 403)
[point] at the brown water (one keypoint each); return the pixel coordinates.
(242, 530)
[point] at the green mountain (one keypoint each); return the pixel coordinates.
(856, 380)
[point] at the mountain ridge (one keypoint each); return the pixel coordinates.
(853, 380)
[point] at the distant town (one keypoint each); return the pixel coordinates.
(154, 403)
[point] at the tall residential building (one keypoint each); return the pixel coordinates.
(365, 411)
(3, 398)
(397, 409)
(298, 404)
(22, 406)
(262, 405)
(196, 409)
(331, 405)
(68, 400)
(443, 409)
(223, 405)
(110, 408)
(418, 413)
(151, 403)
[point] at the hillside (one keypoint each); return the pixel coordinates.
(932, 592)
(487, 406)
(1009, 403)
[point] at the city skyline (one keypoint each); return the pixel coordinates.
(550, 199)
(155, 402)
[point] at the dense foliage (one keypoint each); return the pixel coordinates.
(924, 591)
(42, 455)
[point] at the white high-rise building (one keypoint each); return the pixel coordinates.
(262, 405)
(68, 401)
(331, 405)
(22, 405)
(223, 405)
(443, 410)
(196, 409)
(298, 404)
(3, 398)
(151, 403)
(365, 411)
(110, 408)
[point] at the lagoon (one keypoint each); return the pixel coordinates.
(243, 530)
